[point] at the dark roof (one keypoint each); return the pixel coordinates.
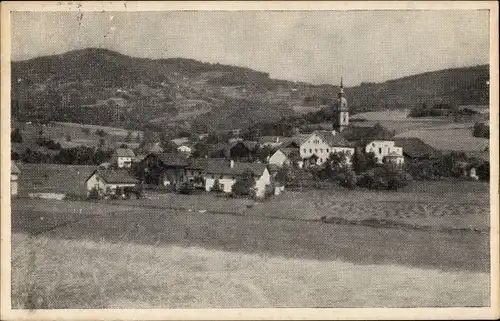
(331, 139)
(270, 139)
(204, 163)
(124, 152)
(172, 159)
(115, 176)
(239, 168)
(415, 148)
(250, 144)
(289, 151)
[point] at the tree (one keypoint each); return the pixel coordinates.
(128, 138)
(100, 133)
(200, 150)
(244, 185)
(16, 136)
(359, 162)
(481, 130)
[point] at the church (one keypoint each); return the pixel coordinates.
(316, 147)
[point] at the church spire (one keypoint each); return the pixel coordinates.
(341, 92)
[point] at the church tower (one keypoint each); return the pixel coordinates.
(340, 110)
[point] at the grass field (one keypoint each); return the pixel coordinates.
(58, 131)
(47, 274)
(53, 178)
(449, 137)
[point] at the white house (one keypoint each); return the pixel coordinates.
(284, 156)
(317, 147)
(109, 181)
(184, 149)
(123, 157)
(14, 177)
(227, 175)
(386, 149)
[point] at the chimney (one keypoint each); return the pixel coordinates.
(334, 132)
(277, 139)
(231, 163)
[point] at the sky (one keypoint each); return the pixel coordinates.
(312, 46)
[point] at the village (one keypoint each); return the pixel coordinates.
(234, 169)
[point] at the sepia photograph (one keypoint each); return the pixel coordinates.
(269, 156)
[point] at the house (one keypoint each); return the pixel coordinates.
(238, 150)
(14, 178)
(110, 181)
(385, 149)
(317, 147)
(270, 141)
(184, 149)
(180, 141)
(227, 175)
(164, 169)
(123, 157)
(196, 166)
(414, 149)
(284, 156)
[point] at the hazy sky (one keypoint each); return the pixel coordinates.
(313, 46)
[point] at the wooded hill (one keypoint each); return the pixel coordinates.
(103, 87)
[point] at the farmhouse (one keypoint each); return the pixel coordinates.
(318, 146)
(110, 181)
(416, 149)
(14, 178)
(184, 149)
(197, 166)
(164, 169)
(123, 157)
(237, 150)
(284, 156)
(227, 175)
(385, 150)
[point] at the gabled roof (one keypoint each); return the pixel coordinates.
(393, 154)
(173, 159)
(270, 139)
(124, 152)
(14, 169)
(204, 163)
(334, 140)
(115, 176)
(289, 151)
(180, 141)
(238, 168)
(415, 148)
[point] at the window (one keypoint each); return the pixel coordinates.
(310, 150)
(305, 150)
(315, 150)
(321, 160)
(321, 150)
(373, 144)
(380, 150)
(328, 150)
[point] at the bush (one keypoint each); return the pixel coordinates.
(384, 178)
(244, 185)
(186, 188)
(481, 130)
(347, 179)
(16, 136)
(216, 188)
(93, 194)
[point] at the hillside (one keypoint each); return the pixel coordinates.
(103, 87)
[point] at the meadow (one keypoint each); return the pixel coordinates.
(80, 134)
(47, 274)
